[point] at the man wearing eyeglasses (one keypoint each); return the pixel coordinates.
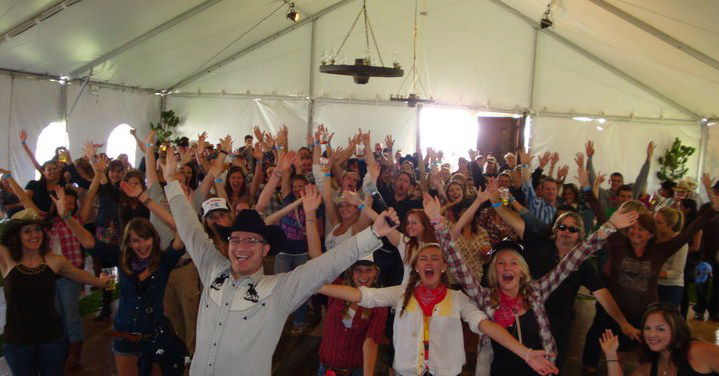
(543, 250)
(243, 311)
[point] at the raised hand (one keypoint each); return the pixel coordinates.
(432, 207)
(380, 225)
(492, 190)
(525, 157)
(544, 159)
(23, 136)
(562, 173)
(583, 177)
(621, 219)
(311, 199)
(99, 165)
(609, 343)
(201, 142)
(389, 142)
(554, 159)
(285, 161)
(150, 138)
(226, 144)
(650, 149)
(589, 148)
(59, 200)
(601, 178)
(537, 360)
(257, 132)
(257, 151)
(579, 159)
(89, 149)
(131, 190)
(473, 154)
(169, 169)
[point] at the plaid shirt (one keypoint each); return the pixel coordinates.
(539, 290)
(538, 207)
(69, 245)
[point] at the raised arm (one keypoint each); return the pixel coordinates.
(27, 202)
(163, 214)
(30, 154)
(466, 217)
(276, 216)
(342, 292)
(311, 200)
(282, 168)
(86, 239)
(640, 185)
(455, 263)
(99, 165)
(330, 208)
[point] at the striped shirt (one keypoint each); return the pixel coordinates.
(539, 208)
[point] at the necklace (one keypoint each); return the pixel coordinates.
(667, 369)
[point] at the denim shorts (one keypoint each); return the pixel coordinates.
(121, 346)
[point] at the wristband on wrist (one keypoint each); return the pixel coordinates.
(496, 204)
(224, 152)
(360, 207)
(66, 216)
(149, 145)
(526, 356)
(328, 174)
(586, 189)
(146, 201)
(6, 176)
(22, 142)
(218, 180)
(611, 360)
(317, 142)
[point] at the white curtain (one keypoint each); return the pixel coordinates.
(5, 136)
(620, 146)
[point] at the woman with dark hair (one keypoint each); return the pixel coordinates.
(144, 269)
(351, 334)
(471, 239)
(39, 190)
(189, 171)
(427, 303)
(34, 342)
(667, 347)
(235, 185)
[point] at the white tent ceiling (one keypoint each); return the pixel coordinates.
(603, 57)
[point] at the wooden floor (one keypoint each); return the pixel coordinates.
(298, 356)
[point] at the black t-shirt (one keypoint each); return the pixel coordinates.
(542, 256)
(40, 194)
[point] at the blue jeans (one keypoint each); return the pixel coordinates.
(67, 299)
(46, 359)
(285, 263)
(671, 295)
(322, 370)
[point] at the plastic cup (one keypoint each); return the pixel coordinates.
(112, 273)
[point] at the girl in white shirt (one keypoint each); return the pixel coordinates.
(427, 325)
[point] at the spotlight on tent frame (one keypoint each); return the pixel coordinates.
(292, 13)
(546, 21)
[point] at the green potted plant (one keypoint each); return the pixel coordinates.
(164, 128)
(673, 162)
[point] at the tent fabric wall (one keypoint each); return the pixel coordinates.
(99, 111)
(236, 117)
(621, 146)
(5, 136)
(35, 104)
(711, 161)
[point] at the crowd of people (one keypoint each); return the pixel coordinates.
(375, 245)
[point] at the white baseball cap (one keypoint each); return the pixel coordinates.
(214, 204)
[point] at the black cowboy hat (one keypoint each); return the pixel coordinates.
(22, 218)
(506, 243)
(250, 221)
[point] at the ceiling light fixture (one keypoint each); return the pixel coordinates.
(292, 13)
(547, 21)
(362, 69)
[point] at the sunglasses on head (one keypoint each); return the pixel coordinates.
(571, 229)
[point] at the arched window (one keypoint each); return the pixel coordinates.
(122, 142)
(52, 137)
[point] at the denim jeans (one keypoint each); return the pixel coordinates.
(67, 299)
(322, 370)
(671, 295)
(285, 262)
(46, 359)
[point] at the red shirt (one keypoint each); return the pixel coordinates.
(341, 347)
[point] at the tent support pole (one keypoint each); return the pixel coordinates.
(611, 68)
(145, 36)
(257, 45)
(703, 148)
(311, 79)
(687, 49)
(533, 68)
